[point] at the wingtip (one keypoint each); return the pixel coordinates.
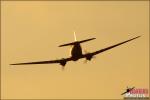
(139, 36)
(17, 64)
(13, 64)
(93, 38)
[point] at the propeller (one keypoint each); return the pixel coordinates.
(88, 57)
(85, 61)
(62, 68)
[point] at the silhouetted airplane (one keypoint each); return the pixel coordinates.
(76, 52)
(128, 90)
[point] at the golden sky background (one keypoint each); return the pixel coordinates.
(32, 31)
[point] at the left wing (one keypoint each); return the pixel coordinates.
(124, 93)
(62, 62)
(89, 56)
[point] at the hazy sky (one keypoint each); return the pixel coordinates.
(32, 31)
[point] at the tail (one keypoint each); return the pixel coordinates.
(75, 42)
(75, 38)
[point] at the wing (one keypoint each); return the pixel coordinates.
(90, 55)
(132, 88)
(124, 93)
(62, 61)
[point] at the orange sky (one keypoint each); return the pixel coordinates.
(32, 31)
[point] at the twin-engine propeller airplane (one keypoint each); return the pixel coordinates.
(128, 90)
(76, 52)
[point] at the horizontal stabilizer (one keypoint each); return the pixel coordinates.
(76, 42)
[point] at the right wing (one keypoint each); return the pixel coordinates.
(62, 61)
(132, 88)
(90, 55)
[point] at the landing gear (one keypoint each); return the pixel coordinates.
(62, 68)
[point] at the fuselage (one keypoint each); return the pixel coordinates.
(76, 51)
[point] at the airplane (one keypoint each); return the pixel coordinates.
(76, 52)
(128, 90)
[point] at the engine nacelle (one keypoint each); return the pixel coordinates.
(89, 57)
(63, 62)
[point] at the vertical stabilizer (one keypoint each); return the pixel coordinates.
(75, 38)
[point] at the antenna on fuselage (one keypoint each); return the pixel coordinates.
(75, 38)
